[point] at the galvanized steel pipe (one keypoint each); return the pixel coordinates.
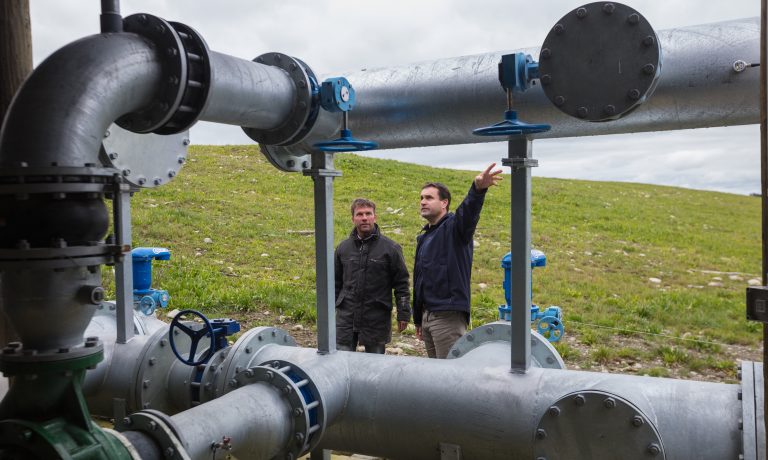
(440, 102)
(492, 413)
(247, 93)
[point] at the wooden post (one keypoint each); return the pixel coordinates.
(16, 56)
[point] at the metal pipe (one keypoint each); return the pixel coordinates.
(491, 413)
(247, 93)
(440, 102)
(64, 108)
(110, 19)
(255, 417)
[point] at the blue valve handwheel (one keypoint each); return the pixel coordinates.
(346, 143)
(551, 328)
(194, 335)
(511, 126)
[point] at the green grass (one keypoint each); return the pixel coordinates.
(603, 241)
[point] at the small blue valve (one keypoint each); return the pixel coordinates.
(146, 299)
(338, 95)
(515, 74)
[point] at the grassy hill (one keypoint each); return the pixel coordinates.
(624, 260)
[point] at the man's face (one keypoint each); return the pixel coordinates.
(431, 204)
(364, 219)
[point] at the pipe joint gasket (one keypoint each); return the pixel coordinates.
(186, 68)
(160, 428)
(306, 407)
(306, 105)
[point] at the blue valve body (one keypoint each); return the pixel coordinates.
(146, 299)
(337, 95)
(549, 322)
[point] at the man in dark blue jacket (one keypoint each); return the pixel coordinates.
(441, 273)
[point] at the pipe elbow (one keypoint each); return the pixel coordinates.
(60, 114)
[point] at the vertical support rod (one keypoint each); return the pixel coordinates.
(519, 159)
(124, 266)
(322, 173)
(110, 19)
(764, 181)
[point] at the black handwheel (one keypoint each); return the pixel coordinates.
(194, 335)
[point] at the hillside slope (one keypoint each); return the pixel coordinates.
(643, 273)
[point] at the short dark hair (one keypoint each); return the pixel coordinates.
(442, 191)
(363, 203)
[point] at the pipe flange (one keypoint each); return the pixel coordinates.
(64, 257)
(154, 365)
(144, 160)
(223, 368)
(305, 104)
(198, 83)
(543, 354)
(160, 428)
(600, 62)
(22, 181)
(596, 422)
(175, 73)
(304, 400)
(16, 360)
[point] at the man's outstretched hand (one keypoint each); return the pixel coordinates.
(488, 178)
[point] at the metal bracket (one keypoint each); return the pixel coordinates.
(313, 173)
(520, 163)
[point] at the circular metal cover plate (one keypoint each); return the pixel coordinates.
(600, 61)
(145, 160)
(543, 354)
(596, 424)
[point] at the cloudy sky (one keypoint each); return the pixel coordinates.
(334, 36)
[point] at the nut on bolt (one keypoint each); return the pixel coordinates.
(579, 400)
(541, 433)
(637, 421)
(653, 449)
(554, 411)
(581, 13)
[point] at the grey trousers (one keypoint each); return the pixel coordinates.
(441, 329)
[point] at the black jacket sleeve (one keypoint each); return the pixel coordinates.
(338, 275)
(468, 213)
(400, 284)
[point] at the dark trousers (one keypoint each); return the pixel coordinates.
(369, 348)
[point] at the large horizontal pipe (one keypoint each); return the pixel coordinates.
(247, 93)
(492, 413)
(440, 102)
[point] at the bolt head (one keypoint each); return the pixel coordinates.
(546, 79)
(582, 112)
(169, 452)
(633, 94)
(638, 421)
(609, 403)
(541, 433)
(127, 421)
(579, 400)
(649, 41)
(554, 411)
(152, 426)
(654, 449)
(609, 109)
(546, 53)
(633, 18)
(559, 29)
(581, 13)
(609, 8)
(649, 69)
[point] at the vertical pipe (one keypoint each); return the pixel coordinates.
(16, 54)
(124, 267)
(764, 182)
(519, 155)
(322, 173)
(110, 19)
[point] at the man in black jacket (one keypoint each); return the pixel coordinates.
(369, 266)
(441, 273)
